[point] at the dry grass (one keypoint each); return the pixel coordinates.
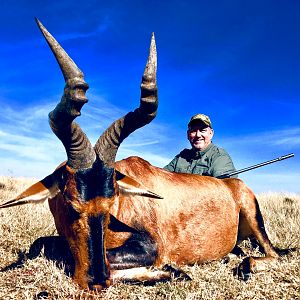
(39, 277)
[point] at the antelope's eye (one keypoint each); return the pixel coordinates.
(62, 181)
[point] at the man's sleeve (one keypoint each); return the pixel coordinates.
(171, 166)
(222, 165)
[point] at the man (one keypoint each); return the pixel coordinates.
(204, 158)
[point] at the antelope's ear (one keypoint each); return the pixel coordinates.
(129, 186)
(43, 190)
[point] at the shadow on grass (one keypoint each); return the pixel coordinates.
(54, 248)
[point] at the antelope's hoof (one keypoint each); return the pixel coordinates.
(176, 272)
(243, 271)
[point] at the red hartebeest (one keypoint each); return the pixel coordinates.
(120, 218)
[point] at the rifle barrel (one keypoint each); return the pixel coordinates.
(258, 165)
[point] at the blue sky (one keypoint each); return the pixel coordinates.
(236, 61)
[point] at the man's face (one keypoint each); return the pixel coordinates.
(199, 135)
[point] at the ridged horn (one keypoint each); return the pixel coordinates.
(78, 147)
(107, 145)
(80, 152)
(67, 65)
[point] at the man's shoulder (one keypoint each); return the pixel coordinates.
(218, 151)
(185, 153)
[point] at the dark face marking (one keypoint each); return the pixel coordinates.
(97, 181)
(98, 271)
(89, 186)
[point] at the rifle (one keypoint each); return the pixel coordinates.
(256, 166)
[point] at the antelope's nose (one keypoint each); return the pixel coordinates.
(99, 287)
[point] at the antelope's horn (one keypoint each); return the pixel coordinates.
(67, 65)
(109, 142)
(78, 147)
(151, 66)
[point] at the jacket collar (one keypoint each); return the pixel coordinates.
(199, 154)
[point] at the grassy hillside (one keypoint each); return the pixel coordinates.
(38, 278)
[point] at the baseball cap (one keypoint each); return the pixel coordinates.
(200, 117)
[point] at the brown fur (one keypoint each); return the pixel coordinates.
(199, 218)
(76, 230)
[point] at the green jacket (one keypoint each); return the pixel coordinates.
(213, 161)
